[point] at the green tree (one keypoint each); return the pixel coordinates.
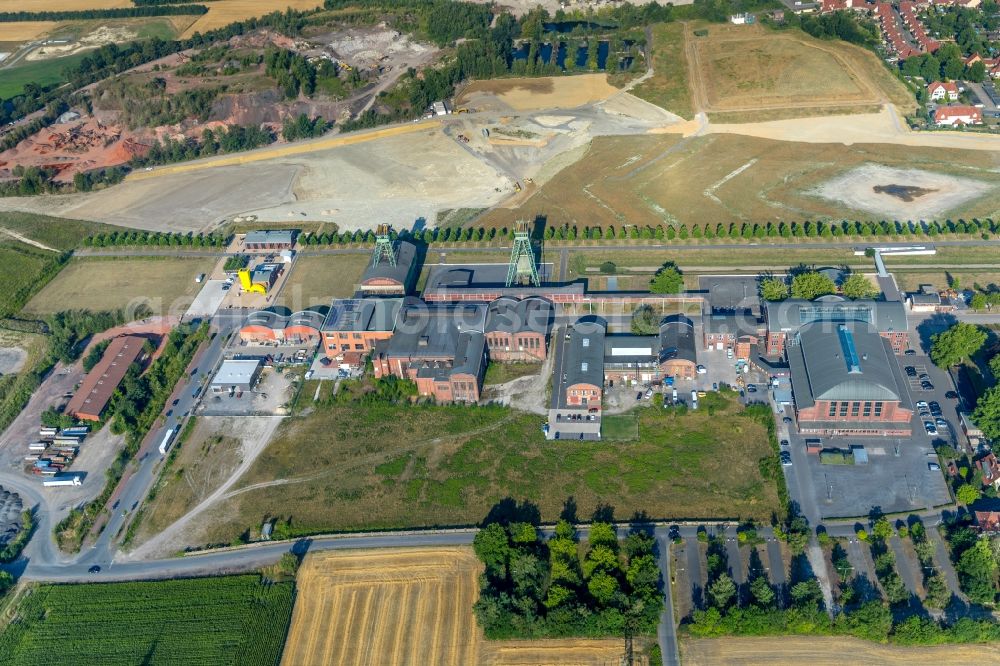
(722, 591)
(987, 413)
(811, 284)
(773, 289)
(857, 285)
(977, 570)
(968, 493)
(806, 594)
(958, 343)
(978, 301)
(493, 549)
(668, 280)
(603, 587)
(645, 321)
(995, 365)
(882, 529)
(938, 594)
(763, 593)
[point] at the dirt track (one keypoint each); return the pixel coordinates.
(409, 606)
(827, 651)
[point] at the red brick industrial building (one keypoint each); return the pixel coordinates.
(91, 399)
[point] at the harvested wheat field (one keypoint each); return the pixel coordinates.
(223, 12)
(547, 92)
(827, 651)
(69, 5)
(409, 606)
(22, 31)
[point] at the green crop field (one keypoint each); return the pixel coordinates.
(223, 620)
(373, 466)
(42, 72)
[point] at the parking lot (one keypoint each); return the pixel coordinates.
(269, 397)
(897, 477)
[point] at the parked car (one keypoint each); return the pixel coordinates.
(935, 408)
(911, 371)
(924, 377)
(922, 404)
(786, 459)
(927, 386)
(94, 569)
(638, 396)
(951, 395)
(934, 467)
(910, 352)
(174, 403)
(784, 442)
(702, 370)
(929, 427)
(715, 386)
(649, 393)
(941, 423)
(787, 419)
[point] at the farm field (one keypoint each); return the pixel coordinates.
(232, 619)
(317, 280)
(753, 68)
(22, 31)
(409, 606)
(223, 12)
(166, 285)
(825, 651)
(669, 87)
(395, 466)
(729, 178)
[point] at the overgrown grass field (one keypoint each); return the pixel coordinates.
(387, 466)
(317, 280)
(223, 620)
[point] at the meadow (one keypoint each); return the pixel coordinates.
(379, 466)
(222, 620)
(669, 87)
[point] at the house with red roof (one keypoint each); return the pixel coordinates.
(957, 115)
(939, 91)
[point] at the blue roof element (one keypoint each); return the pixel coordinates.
(850, 351)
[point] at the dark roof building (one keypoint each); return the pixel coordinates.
(794, 313)
(678, 348)
(440, 347)
(518, 330)
(488, 282)
(382, 277)
(102, 381)
(281, 239)
(362, 314)
(846, 381)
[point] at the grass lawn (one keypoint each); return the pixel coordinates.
(620, 427)
(317, 280)
(167, 285)
(42, 72)
(501, 373)
(57, 232)
(668, 87)
(911, 280)
(25, 267)
(228, 619)
(388, 466)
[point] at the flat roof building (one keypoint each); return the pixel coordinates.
(354, 325)
(237, 374)
(488, 282)
(90, 400)
(846, 382)
(270, 239)
(582, 381)
(631, 358)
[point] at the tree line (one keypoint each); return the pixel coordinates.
(534, 588)
(161, 238)
(115, 13)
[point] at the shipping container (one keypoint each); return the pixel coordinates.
(37, 446)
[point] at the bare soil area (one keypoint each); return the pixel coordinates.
(826, 651)
(104, 34)
(531, 94)
(12, 359)
(902, 194)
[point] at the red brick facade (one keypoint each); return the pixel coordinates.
(858, 417)
(526, 346)
(899, 340)
(583, 395)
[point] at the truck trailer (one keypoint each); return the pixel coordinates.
(67, 480)
(165, 444)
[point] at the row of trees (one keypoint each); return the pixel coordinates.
(114, 13)
(304, 127)
(537, 588)
(177, 239)
(230, 139)
(811, 285)
(945, 63)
